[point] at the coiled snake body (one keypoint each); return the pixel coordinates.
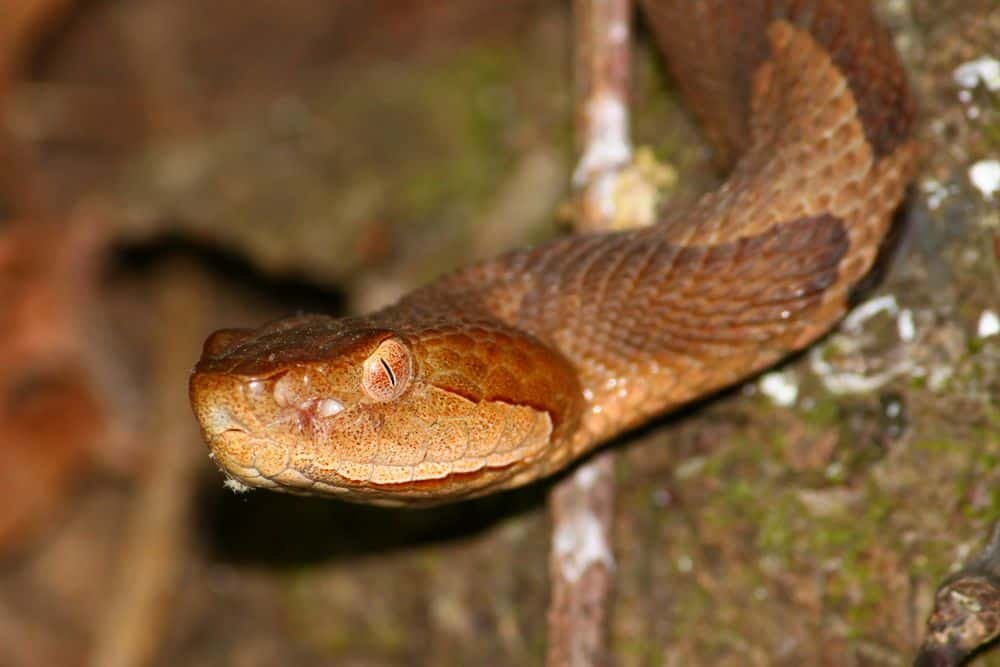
(508, 370)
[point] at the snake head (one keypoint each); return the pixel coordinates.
(338, 407)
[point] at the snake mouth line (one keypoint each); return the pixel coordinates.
(461, 478)
(421, 493)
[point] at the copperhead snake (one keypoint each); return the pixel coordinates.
(507, 371)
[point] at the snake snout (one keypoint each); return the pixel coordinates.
(222, 420)
(216, 407)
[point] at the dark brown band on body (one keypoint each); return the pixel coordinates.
(723, 42)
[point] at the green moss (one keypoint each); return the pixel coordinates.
(454, 98)
(823, 410)
(777, 532)
(991, 127)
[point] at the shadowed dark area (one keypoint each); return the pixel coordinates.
(267, 528)
(285, 293)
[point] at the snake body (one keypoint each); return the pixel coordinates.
(508, 370)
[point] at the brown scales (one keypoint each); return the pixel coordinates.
(805, 99)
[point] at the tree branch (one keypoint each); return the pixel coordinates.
(582, 505)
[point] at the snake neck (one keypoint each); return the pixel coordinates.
(808, 100)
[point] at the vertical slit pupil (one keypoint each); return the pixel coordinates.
(388, 371)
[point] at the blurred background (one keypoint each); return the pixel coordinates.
(168, 167)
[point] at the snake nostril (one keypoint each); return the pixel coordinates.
(220, 419)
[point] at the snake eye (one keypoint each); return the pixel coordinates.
(387, 371)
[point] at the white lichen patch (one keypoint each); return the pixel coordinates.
(579, 543)
(985, 177)
(905, 326)
(586, 476)
(936, 192)
(938, 376)
(638, 189)
(685, 563)
(869, 309)
(618, 32)
(989, 324)
(690, 467)
(608, 145)
(851, 382)
(854, 361)
(781, 387)
(985, 70)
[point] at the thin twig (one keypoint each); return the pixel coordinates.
(157, 541)
(582, 506)
(602, 34)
